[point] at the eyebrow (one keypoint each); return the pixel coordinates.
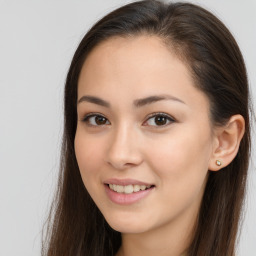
(137, 103)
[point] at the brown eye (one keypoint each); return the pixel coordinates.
(95, 120)
(99, 120)
(160, 120)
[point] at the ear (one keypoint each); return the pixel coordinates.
(226, 143)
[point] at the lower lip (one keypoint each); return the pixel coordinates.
(126, 199)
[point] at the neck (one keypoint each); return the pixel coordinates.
(171, 239)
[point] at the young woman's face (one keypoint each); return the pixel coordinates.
(143, 141)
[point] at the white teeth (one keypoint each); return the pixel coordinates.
(136, 188)
(119, 189)
(127, 189)
(143, 187)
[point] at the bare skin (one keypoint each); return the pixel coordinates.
(173, 153)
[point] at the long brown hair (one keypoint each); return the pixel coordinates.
(75, 225)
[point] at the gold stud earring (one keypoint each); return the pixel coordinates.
(218, 162)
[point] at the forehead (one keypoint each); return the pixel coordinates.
(141, 56)
(137, 67)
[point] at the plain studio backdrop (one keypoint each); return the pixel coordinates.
(37, 41)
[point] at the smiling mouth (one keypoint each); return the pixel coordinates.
(128, 189)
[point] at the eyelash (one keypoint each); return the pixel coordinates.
(153, 115)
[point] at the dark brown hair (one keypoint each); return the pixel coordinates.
(75, 225)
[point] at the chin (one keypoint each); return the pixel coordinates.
(128, 229)
(128, 225)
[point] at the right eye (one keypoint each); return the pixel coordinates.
(95, 120)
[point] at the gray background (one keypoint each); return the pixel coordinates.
(37, 41)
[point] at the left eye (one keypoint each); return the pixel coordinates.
(160, 120)
(95, 120)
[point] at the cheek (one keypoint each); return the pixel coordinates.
(180, 167)
(88, 155)
(180, 159)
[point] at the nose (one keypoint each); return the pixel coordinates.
(124, 148)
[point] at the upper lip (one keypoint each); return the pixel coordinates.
(125, 182)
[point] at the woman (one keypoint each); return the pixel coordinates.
(157, 138)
